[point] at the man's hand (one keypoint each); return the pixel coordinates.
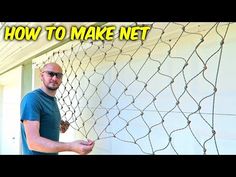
(82, 147)
(64, 125)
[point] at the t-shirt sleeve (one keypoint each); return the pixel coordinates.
(30, 108)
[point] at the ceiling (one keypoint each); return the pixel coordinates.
(13, 52)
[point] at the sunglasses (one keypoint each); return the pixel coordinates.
(52, 74)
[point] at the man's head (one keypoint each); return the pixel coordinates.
(51, 76)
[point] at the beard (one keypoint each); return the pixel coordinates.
(51, 86)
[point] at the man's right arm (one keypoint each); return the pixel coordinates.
(41, 144)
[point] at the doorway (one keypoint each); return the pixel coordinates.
(10, 92)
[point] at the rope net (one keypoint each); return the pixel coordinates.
(157, 94)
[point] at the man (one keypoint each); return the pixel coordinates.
(41, 120)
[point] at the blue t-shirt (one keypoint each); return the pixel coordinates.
(38, 106)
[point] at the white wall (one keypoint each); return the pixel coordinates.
(185, 139)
